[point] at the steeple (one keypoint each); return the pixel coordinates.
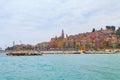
(55, 37)
(62, 33)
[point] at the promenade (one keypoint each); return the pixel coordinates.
(80, 52)
(60, 52)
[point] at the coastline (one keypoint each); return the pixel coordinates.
(36, 53)
(107, 51)
(80, 52)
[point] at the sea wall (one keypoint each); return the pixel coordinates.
(107, 51)
(60, 52)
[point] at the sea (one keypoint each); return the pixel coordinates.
(60, 67)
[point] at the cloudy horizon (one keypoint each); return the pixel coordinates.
(35, 21)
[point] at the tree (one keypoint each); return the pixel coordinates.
(118, 32)
(113, 27)
(93, 30)
(101, 29)
(9, 48)
(118, 45)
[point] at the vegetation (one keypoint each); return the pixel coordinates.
(93, 30)
(118, 32)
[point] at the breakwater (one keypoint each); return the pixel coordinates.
(23, 53)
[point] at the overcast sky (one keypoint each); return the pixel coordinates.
(35, 21)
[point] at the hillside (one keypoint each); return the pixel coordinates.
(96, 40)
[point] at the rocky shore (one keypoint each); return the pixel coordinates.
(23, 53)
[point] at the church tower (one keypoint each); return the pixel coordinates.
(62, 34)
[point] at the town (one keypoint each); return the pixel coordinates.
(108, 38)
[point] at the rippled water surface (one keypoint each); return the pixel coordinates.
(60, 67)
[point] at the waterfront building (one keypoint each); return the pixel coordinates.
(99, 39)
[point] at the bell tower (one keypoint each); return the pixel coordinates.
(62, 34)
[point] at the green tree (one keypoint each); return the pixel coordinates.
(118, 33)
(93, 30)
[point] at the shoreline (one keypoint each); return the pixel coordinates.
(30, 53)
(107, 51)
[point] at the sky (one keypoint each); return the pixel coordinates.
(36, 21)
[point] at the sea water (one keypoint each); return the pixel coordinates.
(60, 67)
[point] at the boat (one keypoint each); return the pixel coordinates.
(82, 51)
